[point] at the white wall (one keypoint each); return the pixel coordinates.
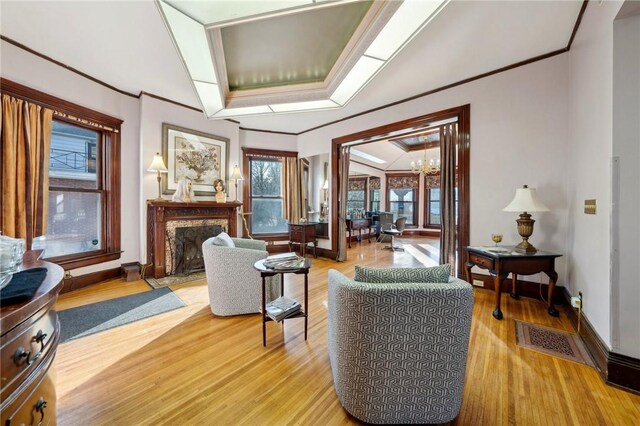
(518, 136)
(31, 71)
(590, 145)
(153, 113)
(625, 291)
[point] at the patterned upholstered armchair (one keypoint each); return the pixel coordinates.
(398, 351)
(235, 287)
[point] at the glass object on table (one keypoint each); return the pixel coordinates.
(497, 238)
(11, 252)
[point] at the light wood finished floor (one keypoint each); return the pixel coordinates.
(188, 367)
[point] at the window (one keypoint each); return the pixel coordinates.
(374, 203)
(83, 224)
(433, 207)
(356, 196)
(75, 192)
(265, 192)
(402, 197)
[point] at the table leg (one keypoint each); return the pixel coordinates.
(514, 286)
(281, 284)
(264, 311)
(349, 237)
(497, 283)
(552, 285)
(467, 270)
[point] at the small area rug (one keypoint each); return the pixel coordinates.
(175, 279)
(89, 319)
(551, 341)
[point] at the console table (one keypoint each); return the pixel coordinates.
(30, 335)
(500, 261)
(303, 234)
(358, 225)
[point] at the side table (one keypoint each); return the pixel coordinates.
(269, 272)
(501, 261)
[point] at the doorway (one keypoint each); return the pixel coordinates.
(459, 114)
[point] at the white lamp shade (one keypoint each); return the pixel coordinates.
(157, 165)
(526, 200)
(236, 175)
(326, 184)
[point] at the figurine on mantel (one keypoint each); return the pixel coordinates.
(218, 186)
(184, 193)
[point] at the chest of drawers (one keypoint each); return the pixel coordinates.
(28, 344)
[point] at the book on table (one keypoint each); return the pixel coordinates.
(282, 307)
(284, 261)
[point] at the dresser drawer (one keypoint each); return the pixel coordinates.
(481, 261)
(25, 347)
(38, 405)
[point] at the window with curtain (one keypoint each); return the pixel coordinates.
(433, 207)
(402, 197)
(374, 194)
(268, 192)
(356, 196)
(83, 182)
(76, 192)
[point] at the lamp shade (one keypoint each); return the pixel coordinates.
(236, 175)
(526, 200)
(326, 184)
(157, 165)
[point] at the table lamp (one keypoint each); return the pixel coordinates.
(157, 165)
(236, 176)
(526, 200)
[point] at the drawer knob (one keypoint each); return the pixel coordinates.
(41, 404)
(19, 354)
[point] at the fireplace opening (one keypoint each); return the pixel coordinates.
(187, 247)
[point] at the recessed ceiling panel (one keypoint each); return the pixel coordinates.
(289, 49)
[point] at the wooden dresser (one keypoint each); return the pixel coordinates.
(303, 234)
(30, 335)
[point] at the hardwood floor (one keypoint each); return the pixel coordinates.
(188, 367)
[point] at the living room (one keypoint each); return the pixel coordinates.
(551, 112)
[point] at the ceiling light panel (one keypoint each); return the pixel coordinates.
(402, 26)
(364, 69)
(232, 112)
(302, 106)
(209, 97)
(190, 38)
(366, 156)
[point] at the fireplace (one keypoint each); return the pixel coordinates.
(165, 217)
(186, 250)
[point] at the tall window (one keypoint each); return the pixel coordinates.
(433, 207)
(83, 219)
(374, 194)
(266, 195)
(356, 197)
(402, 197)
(75, 192)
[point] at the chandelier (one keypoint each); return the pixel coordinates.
(425, 166)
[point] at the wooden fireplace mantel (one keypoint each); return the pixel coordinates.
(159, 213)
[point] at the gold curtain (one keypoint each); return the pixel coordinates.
(24, 168)
(291, 194)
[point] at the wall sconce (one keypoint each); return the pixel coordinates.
(157, 165)
(236, 176)
(526, 200)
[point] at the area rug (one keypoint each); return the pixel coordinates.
(89, 319)
(552, 342)
(174, 279)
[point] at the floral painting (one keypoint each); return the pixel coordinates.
(193, 155)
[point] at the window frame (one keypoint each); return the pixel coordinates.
(109, 170)
(365, 201)
(247, 155)
(427, 209)
(416, 196)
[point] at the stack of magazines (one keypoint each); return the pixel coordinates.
(284, 261)
(282, 308)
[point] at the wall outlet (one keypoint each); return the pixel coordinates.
(478, 283)
(576, 302)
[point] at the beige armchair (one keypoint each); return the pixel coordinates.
(235, 287)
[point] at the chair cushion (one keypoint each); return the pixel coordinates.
(223, 239)
(435, 274)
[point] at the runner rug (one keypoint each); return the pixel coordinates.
(89, 319)
(552, 342)
(175, 279)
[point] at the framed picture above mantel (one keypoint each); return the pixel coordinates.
(198, 156)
